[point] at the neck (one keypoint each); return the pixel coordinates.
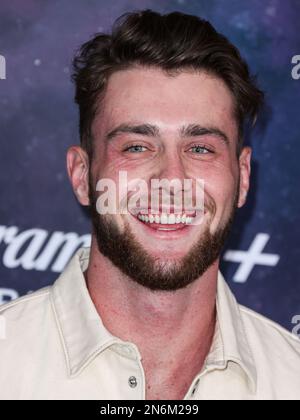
(165, 326)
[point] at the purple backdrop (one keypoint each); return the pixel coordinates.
(41, 225)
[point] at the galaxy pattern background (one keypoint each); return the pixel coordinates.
(39, 121)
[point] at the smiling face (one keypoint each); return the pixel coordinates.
(154, 126)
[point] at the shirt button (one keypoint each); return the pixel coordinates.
(132, 382)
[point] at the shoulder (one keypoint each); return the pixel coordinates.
(29, 345)
(276, 353)
(25, 303)
(272, 334)
(24, 318)
(27, 324)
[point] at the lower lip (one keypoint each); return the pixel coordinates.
(165, 231)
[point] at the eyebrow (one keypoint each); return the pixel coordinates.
(190, 130)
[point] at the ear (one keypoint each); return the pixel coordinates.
(245, 172)
(78, 171)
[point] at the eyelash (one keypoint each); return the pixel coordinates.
(191, 147)
(201, 147)
(132, 145)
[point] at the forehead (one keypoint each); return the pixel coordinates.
(149, 95)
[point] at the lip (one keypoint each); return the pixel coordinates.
(165, 231)
(162, 233)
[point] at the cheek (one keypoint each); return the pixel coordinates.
(110, 164)
(221, 184)
(115, 162)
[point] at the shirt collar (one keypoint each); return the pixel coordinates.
(84, 336)
(82, 332)
(230, 344)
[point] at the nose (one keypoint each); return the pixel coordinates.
(170, 167)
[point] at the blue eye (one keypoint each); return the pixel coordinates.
(200, 150)
(137, 148)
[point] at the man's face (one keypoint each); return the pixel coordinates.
(152, 254)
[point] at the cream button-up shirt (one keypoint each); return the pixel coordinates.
(55, 346)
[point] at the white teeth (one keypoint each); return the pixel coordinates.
(178, 219)
(171, 219)
(165, 219)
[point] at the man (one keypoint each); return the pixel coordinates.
(145, 313)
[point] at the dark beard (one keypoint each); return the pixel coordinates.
(132, 259)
